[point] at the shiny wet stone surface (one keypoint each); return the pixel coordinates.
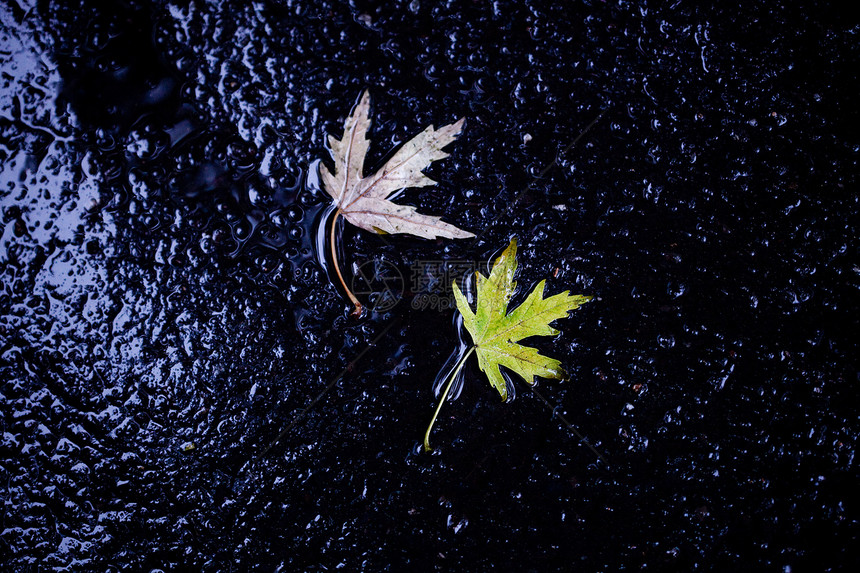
(165, 321)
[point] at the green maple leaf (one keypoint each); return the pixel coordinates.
(496, 333)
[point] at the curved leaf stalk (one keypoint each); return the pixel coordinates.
(357, 310)
(457, 369)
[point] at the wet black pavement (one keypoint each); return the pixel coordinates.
(164, 319)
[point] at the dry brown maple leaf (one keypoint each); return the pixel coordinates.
(364, 201)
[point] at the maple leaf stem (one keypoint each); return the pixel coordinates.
(357, 310)
(459, 366)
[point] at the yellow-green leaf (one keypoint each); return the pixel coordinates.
(496, 332)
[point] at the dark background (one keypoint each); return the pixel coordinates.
(163, 317)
